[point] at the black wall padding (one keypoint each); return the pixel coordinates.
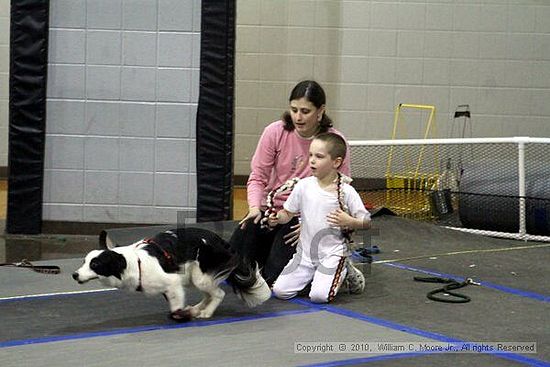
(27, 116)
(215, 111)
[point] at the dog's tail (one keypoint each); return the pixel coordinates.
(249, 285)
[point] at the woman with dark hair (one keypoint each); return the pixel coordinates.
(282, 153)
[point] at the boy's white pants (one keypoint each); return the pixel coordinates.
(325, 278)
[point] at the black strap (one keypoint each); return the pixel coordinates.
(44, 269)
(452, 284)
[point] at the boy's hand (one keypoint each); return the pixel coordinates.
(339, 218)
(272, 220)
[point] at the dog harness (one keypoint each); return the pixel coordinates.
(150, 241)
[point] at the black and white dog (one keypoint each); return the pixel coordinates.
(173, 260)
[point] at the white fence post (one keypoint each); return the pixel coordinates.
(521, 175)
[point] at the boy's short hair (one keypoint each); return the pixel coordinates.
(336, 145)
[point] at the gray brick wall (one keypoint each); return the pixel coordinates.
(372, 55)
(121, 106)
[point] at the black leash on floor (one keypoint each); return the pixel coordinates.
(447, 290)
(44, 269)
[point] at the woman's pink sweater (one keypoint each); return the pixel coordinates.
(280, 156)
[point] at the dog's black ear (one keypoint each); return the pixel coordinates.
(109, 263)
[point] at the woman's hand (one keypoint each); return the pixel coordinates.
(291, 238)
(253, 212)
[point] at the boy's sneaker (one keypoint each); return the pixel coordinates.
(355, 280)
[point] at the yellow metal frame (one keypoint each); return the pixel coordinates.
(411, 200)
(397, 114)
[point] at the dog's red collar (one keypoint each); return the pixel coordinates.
(139, 287)
(150, 241)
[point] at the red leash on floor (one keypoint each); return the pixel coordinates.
(43, 269)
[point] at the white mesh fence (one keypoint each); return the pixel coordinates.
(493, 186)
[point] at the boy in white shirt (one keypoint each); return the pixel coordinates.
(329, 208)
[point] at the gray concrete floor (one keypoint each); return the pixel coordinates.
(49, 320)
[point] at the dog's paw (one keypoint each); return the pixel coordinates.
(181, 315)
(204, 315)
(193, 310)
